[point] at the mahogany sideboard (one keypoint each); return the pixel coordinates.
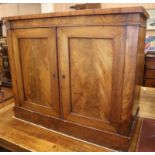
(79, 72)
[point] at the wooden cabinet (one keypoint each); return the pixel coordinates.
(149, 73)
(79, 72)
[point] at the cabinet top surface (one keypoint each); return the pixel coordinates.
(125, 10)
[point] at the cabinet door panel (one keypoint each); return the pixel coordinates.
(88, 72)
(36, 66)
(91, 70)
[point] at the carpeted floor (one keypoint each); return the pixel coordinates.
(147, 136)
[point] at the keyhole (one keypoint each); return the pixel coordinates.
(54, 76)
(63, 76)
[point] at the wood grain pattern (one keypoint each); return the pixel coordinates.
(9, 99)
(147, 106)
(77, 130)
(88, 94)
(12, 67)
(149, 70)
(47, 141)
(84, 20)
(81, 50)
(35, 65)
(135, 137)
(17, 128)
(139, 73)
(149, 73)
(23, 136)
(93, 62)
(114, 11)
(149, 82)
(32, 64)
(150, 64)
(129, 78)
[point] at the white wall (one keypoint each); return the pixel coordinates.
(66, 6)
(19, 9)
(47, 7)
(8, 10)
(33, 8)
(58, 7)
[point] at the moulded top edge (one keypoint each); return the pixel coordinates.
(123, 10)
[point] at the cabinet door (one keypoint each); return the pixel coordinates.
(36, 69)
(91, 75)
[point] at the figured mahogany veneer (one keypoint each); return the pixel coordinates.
(79, 72)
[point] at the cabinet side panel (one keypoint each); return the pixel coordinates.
(129, 77)
(133, 74)
(139, 70)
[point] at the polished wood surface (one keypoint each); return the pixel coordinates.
(90, 79)
(149, 82)
(6, 93)
(147, 103)
(87, 88)
(149, 72)
(104, 20)
(80, 75)
(35, 62)
(47, 142)
(32, 64)
(7, 100)
(135, 137)
(21, 130)
(150, 64)
(124, 10)
(80, 131)
(17, 135)
(139, 72)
